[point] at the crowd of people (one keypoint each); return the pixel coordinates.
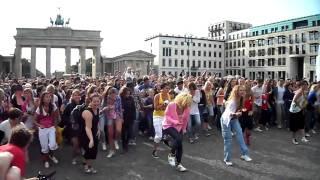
(113, 110)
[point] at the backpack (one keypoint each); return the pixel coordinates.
(76, 119)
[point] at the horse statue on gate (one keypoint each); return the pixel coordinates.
(59, 21)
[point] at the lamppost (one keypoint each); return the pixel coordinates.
(188, 40)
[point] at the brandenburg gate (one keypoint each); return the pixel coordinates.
(58, 37)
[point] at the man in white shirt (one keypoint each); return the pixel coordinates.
(6, 126)
(257, 91)
(278, 93)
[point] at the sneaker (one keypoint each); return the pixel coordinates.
(155, 154)
(304, 139)
(279, 126)
(209, 127)
(151, 138)
(172, 160)
(54, 159)
(258, 129)
(104, 146)
(90, 170)
(74, 162)
(132, 143)
(191, 140)
(228, 163)
(266, 128)
(307, 135)
(111, 154)
(295, 142)
(245, 158)
(196, 137)
(180, 168)
(116, 145)
(313, 131)
(46, 164)
(207, 133)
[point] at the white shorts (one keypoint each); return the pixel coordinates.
(157, 124)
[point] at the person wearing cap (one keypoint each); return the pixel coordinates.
(146, 84)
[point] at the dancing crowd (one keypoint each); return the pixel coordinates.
(111, 111)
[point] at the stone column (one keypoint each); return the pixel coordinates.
(33, 70)
(17, 62)
(68, 60)
(82, 65)
(48, 62)
(98, 64)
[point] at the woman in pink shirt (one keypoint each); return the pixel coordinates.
(175, 122)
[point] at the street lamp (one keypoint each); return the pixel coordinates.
(188, 40)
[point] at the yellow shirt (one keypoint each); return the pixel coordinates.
(160, 113)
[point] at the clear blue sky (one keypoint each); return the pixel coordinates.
(124, 24)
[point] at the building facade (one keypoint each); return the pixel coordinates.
(285, 49)
(177, 55)
(140, 62)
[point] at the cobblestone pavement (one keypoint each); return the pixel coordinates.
(274, 157)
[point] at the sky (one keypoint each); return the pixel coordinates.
(125, 24)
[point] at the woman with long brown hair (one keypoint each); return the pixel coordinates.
(46, 119)
(229, 120)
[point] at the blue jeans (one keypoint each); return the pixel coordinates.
(193, 124)
(227, 138)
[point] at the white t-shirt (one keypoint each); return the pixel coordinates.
(5, 126)
(257, 93)
(194, 105)
(280, 95)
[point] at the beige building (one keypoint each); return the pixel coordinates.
(140, 62)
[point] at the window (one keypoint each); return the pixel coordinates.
(209, 64)
(209, 53)
(175, 42)
(220, 46)
(182, 52)
(163, 62)
(214, 64)
(205, 64)
(170, 63)
(219, 54)
(199, 53)
(193, 44)
(182, 63)
(312, 60)
(238, 52)
(281, 61)
(193, 63)
(219, 64)
(182, 43)
(193, 53)
(234, 53)
(214, 54)
(188, 63)
(226, 54)
(163, 51)
(209, 45)
(243, 52)
(214, 46)
(176, 52)
(199, 44)
(204, 45)
(313, 23)
(199, 63)
(176, 63)
(243, 63)
(163, 41)
(188, 53)
(170, 42)
(204, 53)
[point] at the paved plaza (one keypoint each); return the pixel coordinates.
(274, 157)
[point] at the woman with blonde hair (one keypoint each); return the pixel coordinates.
(229, 120)
(175, 123)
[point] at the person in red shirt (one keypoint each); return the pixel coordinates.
(265, 107)
(246, 120)
(17, 145)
